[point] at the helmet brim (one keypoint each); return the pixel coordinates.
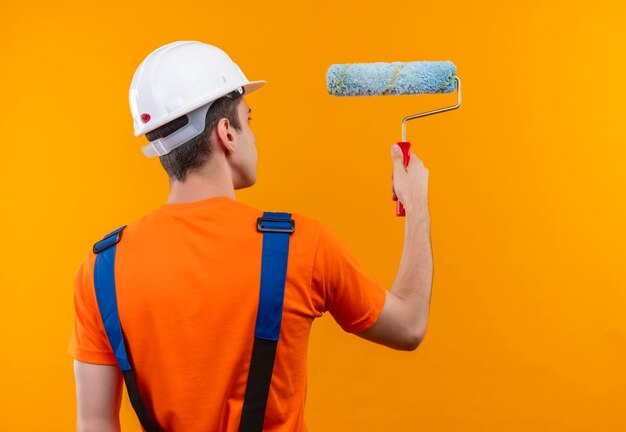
(253, 85)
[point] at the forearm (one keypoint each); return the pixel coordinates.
(413, 282)
(98, 425)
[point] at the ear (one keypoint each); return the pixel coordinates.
(225, 135)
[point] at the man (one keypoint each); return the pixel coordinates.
(187, 275)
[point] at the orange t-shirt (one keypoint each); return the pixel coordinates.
(187, 279)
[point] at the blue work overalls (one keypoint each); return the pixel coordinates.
(277, 229)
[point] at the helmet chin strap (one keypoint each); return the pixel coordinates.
(192, 129)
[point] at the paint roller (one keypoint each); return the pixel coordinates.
(394, 79)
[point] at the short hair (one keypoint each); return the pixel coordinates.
(197, 151)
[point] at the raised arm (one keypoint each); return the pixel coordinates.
(404, 318)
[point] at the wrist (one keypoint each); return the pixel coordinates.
(418, 215)
(417, 211)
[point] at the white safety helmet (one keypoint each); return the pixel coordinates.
(182, 78)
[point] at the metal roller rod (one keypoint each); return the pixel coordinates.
(458, 104)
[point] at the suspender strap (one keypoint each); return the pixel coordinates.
(276, 229)
(137, 402)
(104, 283)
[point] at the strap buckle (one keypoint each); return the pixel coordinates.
(239, 91)
(109, 240)
(266, 224)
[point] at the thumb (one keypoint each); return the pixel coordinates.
(397, 158)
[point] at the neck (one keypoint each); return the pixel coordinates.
(212, 180)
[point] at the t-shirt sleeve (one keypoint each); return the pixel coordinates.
(88, 342)
(341, 286)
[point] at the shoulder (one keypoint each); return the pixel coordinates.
(306, 222)
(116, 234)
(324, 238)
(307, 228)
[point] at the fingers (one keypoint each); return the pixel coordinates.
(414, 160)
(403, 176)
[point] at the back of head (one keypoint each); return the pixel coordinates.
(171, 97)
(197, 151)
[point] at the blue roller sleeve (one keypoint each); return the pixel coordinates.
(393, 79)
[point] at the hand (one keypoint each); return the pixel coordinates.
(410, 184)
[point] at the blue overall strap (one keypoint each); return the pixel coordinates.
(104, 284)
(277, 229)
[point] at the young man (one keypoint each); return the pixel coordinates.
(187, 275)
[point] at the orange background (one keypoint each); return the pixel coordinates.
(527, 187)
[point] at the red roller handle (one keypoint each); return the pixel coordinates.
(405, 146)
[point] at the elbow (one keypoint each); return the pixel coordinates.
(414, 340)
(413, 344)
